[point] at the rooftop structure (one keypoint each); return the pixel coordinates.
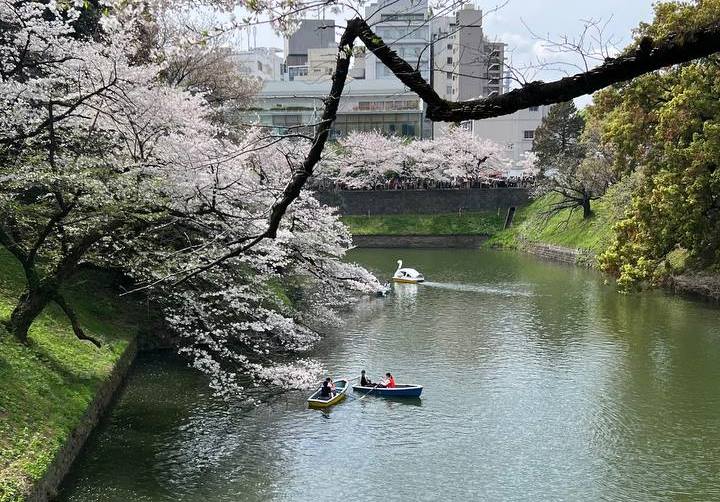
(311, 34)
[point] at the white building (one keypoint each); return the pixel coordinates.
(516, 131)
(260, 62)
(403, 26)
(384, 105)
(321, 62)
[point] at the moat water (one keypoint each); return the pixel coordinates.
(541, 383)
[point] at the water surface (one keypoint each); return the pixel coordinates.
(541, 383)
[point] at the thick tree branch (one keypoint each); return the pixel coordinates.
(649, 56)
(292, 190)
(70, 313)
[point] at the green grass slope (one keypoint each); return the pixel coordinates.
(45, 388)
(565, 228)
(426, 224)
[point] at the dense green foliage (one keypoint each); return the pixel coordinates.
(426, 224)
(665, 129)
(46, 388)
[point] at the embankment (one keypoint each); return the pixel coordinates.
(53, 391)
(568, 238)
(572, 256)
(455, 230)
(419, 241)
(388, 202)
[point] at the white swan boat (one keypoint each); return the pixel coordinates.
(407, 275)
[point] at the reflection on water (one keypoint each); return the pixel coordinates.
(541, 383)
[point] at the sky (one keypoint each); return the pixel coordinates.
(512, 22)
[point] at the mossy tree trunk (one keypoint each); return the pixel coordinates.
(30, 305)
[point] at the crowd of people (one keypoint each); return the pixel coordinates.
(501, 181)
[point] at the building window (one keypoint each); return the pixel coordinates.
(449, 74)
(448, 89)
(449, 46)
(528, 134)
(449, 60)
(534, 108)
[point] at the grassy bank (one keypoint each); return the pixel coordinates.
(426, 224)
(562, 229)
(46, 388)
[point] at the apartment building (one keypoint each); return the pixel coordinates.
(263, 63)
(466, 65)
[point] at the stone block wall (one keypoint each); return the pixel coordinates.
(439, 201)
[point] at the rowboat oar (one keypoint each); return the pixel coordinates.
(368, 393)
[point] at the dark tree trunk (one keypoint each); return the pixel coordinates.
(32, 302)
(587, 212)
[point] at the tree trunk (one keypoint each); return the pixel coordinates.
(587, 212)
(29, 306)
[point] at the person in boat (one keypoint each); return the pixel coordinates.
(388, 382)
(365, 381)
(328, 389)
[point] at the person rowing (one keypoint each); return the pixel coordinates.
(364, 380)
(387, 382)
(328, 389)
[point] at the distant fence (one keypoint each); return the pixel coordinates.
(437, 201)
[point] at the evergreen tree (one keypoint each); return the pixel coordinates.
(558, 137)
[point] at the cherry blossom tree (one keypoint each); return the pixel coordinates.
(368, 160)
(104, 161)
(365, 160)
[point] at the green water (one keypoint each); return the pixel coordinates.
(541, 383)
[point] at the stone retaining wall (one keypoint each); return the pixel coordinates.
(581, 257)
(46, 488)
(700, 285)
(419, 241)
(366, 202)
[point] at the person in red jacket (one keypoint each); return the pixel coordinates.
(387, 382)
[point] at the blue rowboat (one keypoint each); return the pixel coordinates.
(397, 391)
